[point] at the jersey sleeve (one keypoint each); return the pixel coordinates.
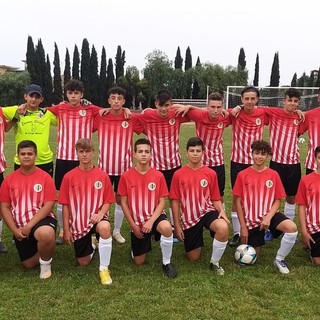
(195, 114)
(137, 124)
(4, 191)
(54, 109)
(122, 187)
(108, 196)
(280, 192)
(64, 191)
(50, 190)
(174, 188)
(163, 186)
(301, 197)
(53, 118)
(238, 189)
(214, 187)
(9, 112)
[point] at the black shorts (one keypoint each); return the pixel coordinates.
(143, 246)
(256, 236)
(62, 167)
(315, 247)
(168, 174)
(28, 247)
(308, 171)
(47, 167)
(235, 168)
(1, 178)
(193, 237)
(290, 175)
(221, 175)
(83, 246)
(115, 182)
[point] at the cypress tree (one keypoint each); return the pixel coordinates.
(75, 63)
(242, 60)
(294, 80)
(57, 85)
(103, 79)
(67, 71)
(40, 63)
(120, 61)
(47, 86)
(94, 78)
(31, 60)
(275, 73)
(318, 79)
(178, 60)
(110, 74)
(188, 60)
(312, 79)
(188, 66)
(85, 68)
(196, 87)
(256, 72)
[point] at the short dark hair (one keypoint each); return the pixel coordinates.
(293, 93)
(117, 90)
(194, 142)
(250, 89)
(85, 144)
(163, 96)
(316, 151)
(74, 85)
(27, 144)
(216, 96)
(261, 145)
(140, 142)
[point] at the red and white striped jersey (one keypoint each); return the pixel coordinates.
(258, 191)
(2, 130)
(195, 189)
(246, 128)
(115, 142)
(143, 192)
(210, 131)
(308, 195)
(27, 194)
(163, 134)
(283, 128)
(312, 124)
(84, 192)
(74, 123)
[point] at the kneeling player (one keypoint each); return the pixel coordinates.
(258, 191)
(308, 196)
(143, 191)
(86, 195)
(195, 188)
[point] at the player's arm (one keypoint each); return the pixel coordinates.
(67, 236)
(236, 110)
(146, 228)
(222, 214)
(267, 218)
(126, 210)
(97, 217)
(8, 126)
(243, 228)
(7, 217)
(175, 207)
(41, 214)
(306, 237)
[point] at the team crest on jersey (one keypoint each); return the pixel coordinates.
(152, 186)
(98, 185)
(258, 121)
(269, 184)
(82, 112)
(37, 187)
(203, 183)
(220, 125)
(296, 122)
(40, 115)
(125, 124)
(172, 121)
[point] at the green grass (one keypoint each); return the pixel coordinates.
(73, 292)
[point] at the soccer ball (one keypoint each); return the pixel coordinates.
(302, 140)
(245, 255)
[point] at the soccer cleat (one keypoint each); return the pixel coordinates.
(217, 269)
(281, 265)
(268, 236)
(105, 277)
(169, 270)
(3, 248)
(118, 237)
(59, 240)
(235, 240)
(45, 271)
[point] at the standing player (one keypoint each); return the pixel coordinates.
(74, 122)
(246, 127)
(258, 191)
(308, 199)
(195, 195)
(86, 195)
(143, 191)
(115, 134)
(27, 198)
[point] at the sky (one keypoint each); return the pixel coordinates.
(214, 30)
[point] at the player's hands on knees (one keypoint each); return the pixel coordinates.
(137, 231)
(265, 224)
(67, 237)
(223, 215)
(95, 218)
(19, 235)
(147, 227)
(244, 235)
(179, 233)
(307, 239)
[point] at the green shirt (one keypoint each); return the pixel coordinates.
(34, 126)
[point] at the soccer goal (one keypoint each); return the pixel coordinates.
(273, 96)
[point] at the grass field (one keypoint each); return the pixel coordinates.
(257, 292)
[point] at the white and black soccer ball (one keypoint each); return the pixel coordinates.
(245, 255)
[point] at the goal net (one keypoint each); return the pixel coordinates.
(273, 96)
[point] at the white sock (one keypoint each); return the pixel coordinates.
(1, 226)
(118, 218)
(235, 223)
(166, 244)
(45, 262)
(289, 210)
(218, 248)
(59, 216)
(287, 242)
(105, 248)
(171, 217)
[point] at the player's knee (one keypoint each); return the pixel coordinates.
(165, 228)
(83, 262)
(316, 261)
(139, 260)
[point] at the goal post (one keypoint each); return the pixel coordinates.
(273, 96)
